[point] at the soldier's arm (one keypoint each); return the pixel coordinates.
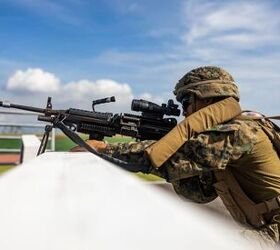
(209, 151)
(205, 152)
(130, 151)
(133, 152)
(198, 155)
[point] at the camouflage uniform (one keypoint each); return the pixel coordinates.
(226, 145)
(211, 150)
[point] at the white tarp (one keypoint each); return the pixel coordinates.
(77, 201)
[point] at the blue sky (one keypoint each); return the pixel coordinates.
(79, 50)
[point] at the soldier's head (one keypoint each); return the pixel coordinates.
(203, 86)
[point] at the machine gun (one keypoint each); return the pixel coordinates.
(151, 124)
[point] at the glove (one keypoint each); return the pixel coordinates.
(99, 146)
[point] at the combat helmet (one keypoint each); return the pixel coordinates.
(206, 82)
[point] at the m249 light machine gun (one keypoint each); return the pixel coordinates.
(151, 124)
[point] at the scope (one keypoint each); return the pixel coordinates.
(155, 109)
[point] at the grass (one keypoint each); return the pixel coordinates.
(63, 143)
(148, 177)
(5, 168)
(10, 144)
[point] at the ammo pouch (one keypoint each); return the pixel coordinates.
(203, 119)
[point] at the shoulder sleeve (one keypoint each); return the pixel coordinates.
(201, 153)
(215, 148)
(210, 150)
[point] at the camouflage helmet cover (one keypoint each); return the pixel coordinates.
(206, 82)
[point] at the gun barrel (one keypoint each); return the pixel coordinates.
(5, 104)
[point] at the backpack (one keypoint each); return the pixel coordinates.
(272, 131)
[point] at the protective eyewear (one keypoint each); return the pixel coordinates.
(186, 101)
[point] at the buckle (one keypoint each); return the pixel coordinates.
(272, 204)
(277, 198)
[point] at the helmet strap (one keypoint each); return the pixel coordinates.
(194, 103)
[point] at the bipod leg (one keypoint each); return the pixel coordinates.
(44, 142)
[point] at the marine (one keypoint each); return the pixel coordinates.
(236, 159)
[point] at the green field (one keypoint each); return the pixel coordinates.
(10, 144)
(5, 168)
(63, 143)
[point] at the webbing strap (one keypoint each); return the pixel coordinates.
(269, 205)
(277, 117)
(246, 117)
(270, 128)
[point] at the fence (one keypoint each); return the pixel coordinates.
(18, 135)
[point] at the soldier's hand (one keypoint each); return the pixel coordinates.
(97, 145)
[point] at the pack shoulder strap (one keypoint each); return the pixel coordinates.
(277, 117)
(269, 127)
(197, 122)
(273, 133)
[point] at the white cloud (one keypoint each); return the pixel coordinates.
(41, 82)
(75, 94)
(34, 85)
(33, 80)
(85, 90)
(237, 23)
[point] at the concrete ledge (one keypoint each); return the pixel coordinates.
(78, 201)
(29, 149)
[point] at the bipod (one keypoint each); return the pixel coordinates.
(44, 141)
